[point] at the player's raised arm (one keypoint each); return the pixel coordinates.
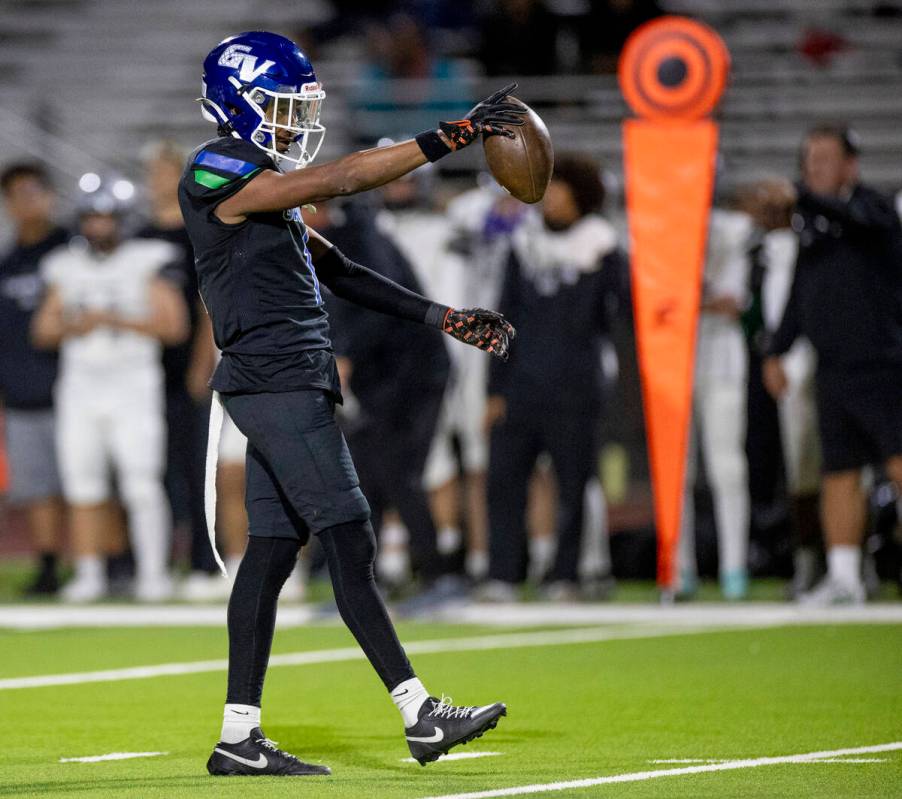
(367, 169)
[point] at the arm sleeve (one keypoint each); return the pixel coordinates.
(865, 210)
(789, 329)
(499, 370)
(355, 283)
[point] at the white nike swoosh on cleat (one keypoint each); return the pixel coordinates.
(439, 735)
(260, 762)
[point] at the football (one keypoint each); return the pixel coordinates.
(523, 164)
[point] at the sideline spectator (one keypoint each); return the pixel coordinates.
(719, 404)
(846, 297)
(405, 83)
(608, 26)
(519, 38)
(108, 311)
(479, 224)
(187, 366)
(796, 407)
(564, 275)
(398, 374)
(422, 234)
(27, 375)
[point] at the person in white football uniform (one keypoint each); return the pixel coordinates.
(108, 311)
(478, 225)
(459, 253)
(719, 407)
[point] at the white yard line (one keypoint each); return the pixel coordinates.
(641, 776)
(438, 646)
(110, 756)
(37, 617)
(752, 614)
(457, 756)
(684, 760)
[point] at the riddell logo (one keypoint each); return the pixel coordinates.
(239, 56)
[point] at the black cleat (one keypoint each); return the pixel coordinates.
(256, 756)
(442, 726)
(45, 583)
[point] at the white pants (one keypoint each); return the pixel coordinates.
(719, 421)
(118, 423)
(798, 421)
(462, 414)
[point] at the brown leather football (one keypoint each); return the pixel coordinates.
(522, 165)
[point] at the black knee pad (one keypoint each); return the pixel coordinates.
(352, 544)
(270, 560)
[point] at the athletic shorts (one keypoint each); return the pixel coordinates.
(300, 476)
(859, 416)
(31, 452)
(118, 421)
(232, 443)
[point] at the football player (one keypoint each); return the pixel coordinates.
(719, 408)
(259, 269)
(109, 311)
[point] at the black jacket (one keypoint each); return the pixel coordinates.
(561, 323)
(394, 360)
(846, 295)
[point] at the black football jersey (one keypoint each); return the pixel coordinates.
(256, 279)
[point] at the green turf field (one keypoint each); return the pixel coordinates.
(576, 710)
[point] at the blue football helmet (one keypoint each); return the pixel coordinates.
(258, 83)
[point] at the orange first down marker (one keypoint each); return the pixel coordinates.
(672, 73)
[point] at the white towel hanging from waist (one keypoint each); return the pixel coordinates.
(213, 435)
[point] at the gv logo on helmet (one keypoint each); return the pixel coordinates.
(238, 56)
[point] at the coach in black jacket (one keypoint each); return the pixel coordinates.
(846, 298)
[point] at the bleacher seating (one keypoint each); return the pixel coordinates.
(83, 83)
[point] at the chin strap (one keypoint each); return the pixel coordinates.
(215, 114)
(215, 431)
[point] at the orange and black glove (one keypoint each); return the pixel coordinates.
(487, 330)
(488, 118)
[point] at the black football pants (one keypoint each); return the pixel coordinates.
(570, 438)
(390, 459)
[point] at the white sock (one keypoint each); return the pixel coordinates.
(476, 564)
(90, 567)
(448, 540)
(393, 535)
(238, 721)
(844, 565)
(408, 697)
(541, 554)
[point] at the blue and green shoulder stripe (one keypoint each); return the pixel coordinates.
(215, 171)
